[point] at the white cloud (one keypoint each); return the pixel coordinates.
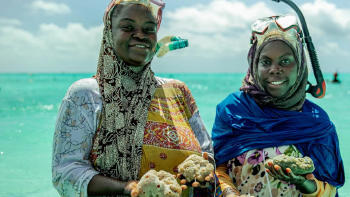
(51, 7)
(326, 19)
(9, 21)
(73, 48)
(221, 30)
(218, 33)
(223, 25)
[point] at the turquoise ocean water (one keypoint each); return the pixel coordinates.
(29, 104)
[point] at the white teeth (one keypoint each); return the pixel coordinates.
(140, 46)
(276, 82)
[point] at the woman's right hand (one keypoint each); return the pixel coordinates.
(131, 188)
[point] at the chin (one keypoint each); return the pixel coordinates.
(135, 63)
(139, 61)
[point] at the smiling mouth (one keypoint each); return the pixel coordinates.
(141, 46)
(276, 83)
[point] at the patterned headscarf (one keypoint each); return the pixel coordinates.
(126, 95)
(264, 31)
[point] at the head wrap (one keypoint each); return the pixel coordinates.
(267, 30)
(126, 95)
(155, 6)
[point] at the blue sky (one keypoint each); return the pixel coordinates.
(64, 35)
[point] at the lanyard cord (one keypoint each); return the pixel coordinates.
(267, 175)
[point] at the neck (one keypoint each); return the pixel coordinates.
(136, 69)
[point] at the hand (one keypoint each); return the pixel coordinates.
(304, 183)
(208, 180)
(131, 188)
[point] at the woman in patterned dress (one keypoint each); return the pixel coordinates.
(113, 128)
(271, 116)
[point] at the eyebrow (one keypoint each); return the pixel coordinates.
(287, 54)
(131, 20)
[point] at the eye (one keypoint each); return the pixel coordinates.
(127, 28)
(286, 61)
(150, 29)
(265, 62)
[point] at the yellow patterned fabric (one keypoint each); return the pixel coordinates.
(169, 138)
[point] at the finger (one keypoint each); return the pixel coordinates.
(208, 178)
(288, 170)
(310, 176)
(296, 179)
(277, 168)
(195, 184)
(270, 173)
(270, 163)
(183, 181)
(282, 175)
(273, 170)
(135, 192)
(268, 166)
(131, 185)
(205, 155)
(278, 171)
(179, 175)
(183, 187)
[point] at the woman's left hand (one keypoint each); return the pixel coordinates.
(208, 181)
(304, 183)
(132, 188)
(284, 175)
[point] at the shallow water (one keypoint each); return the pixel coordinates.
(29, 104)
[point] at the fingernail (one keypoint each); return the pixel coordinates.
(195, 184)
(207, 178)
(205, 155)
(277, 167)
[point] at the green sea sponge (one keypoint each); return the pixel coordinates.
(299, 166)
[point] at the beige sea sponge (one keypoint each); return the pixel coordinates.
(158, 184)
(298, 166)
(195, 168)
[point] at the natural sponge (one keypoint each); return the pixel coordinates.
(298, 166)
(158, 184)
(195, 168)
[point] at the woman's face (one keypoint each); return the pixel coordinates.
(277, 68)
(134, 31)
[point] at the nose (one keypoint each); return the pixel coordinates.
(275, 69)
(139, 34)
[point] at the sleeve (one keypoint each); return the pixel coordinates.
(323, 190)
(225, 181)
(74, 131)
(201, 133)
(197, 123)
